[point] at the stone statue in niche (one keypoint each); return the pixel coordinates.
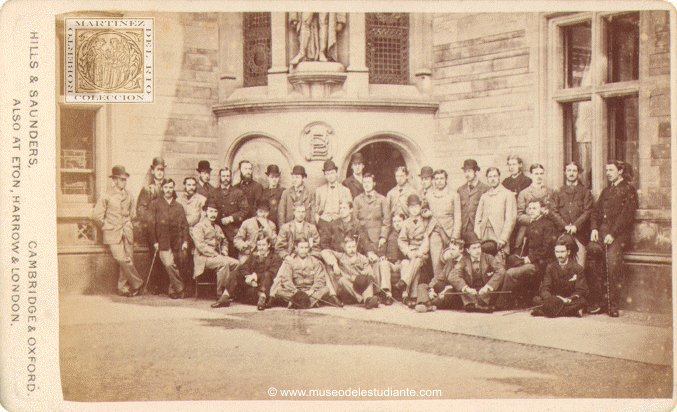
(317, 33)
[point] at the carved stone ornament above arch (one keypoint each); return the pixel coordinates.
(317, 142)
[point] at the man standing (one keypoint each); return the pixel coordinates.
(391, 262)
(371, 210)
(211, 252)
(537, 190)
(297, 194)
(470, 194)
(426, 177)
(169, 234)
(114, 212)
(252, 189)
(445, 206)
(354, 181)
(398, 195)
(149, 192)
(205, 188)
(328, 197)
(300, 273)
(612, 220)
(233, 208)
(245, 240)
(496, 213)
(193, 203)
(273, 193)
(516, 182)
(571, 208)
(476, 275)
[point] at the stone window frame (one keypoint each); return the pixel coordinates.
(600, 92)
(404, 64)
(263, 44)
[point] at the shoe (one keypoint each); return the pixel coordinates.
(371, 302)
(614, 313)
(125, 293)
(335, 301)
(484, 309)
(425, 307)
(470, 307)
(410, 302)
(261, 305)
(579, 313)
(135, 292)
(223, 302)
(595, 309)
(538, 312)
(401, 285)
(388, 300)
(179, 295)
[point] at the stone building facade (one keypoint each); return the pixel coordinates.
(405, 89)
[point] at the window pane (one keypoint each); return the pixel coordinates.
(257, 49)
(387, 49)
(76, 183)
(577, 55)
(77, 128)
(622, 35)
(578, 137)
(624, 131)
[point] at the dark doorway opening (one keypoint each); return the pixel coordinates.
(381, 159)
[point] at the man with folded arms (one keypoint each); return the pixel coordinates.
(211, 252)
(114, 212)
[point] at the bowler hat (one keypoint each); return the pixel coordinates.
(272, 170)
(490, 247)
(426, 171)
(299, 170)
(361, 283)
(513, 261)
(158, 161)
(357, 158)
(470, 238)
(203, 165)
(300, 300)
(413, 199)
(329, 165)
(119, 171)
(470, 164)
(211, 203)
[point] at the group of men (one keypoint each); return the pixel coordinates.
(501, 244)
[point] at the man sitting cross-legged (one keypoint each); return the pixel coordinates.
(301, 280)
(256, 274)
(211, 252)
(477, 275)
(564, 287)
(355, 274)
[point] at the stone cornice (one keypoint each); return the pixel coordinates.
(380, 105)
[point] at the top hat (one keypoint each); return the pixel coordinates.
(158, 161)
(357, 158)
(426, 171)
(119, 171)
(470, 238)
(413, 199)
(203, 165)
(470, 164)
(329, 165)
(299, 170)
(272, 170)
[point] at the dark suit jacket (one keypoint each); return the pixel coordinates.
(338, 230)
(469, 202)
(567, 281)
(168, 224)
(516, 185)
(463, 273)
(354, 185)
(573, 205)
(615, 209)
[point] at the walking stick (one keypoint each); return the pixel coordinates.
(149, 272)
(463, 293)
(608, 279)
(522, 310)
(381, 290)
(329, 303)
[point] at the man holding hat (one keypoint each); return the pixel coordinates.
(273, 193)
(114, 212)
(245, 240)
(470, 194)
(354, 181)
(476, 274)
(328, 197)
(150, 191)
(445, 206)
(297, 194)
(205, 188)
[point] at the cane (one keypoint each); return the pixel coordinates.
(608, 279)
(463, 293)
(522, 310)
(381, 290)
(329, 303)
(149, 272)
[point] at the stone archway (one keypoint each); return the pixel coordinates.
(383, 153)
(261, 150)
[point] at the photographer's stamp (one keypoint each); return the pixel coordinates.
(109, 60)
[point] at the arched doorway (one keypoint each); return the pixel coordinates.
(262, 151)
(382, 155)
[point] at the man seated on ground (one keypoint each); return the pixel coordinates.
(564, 287)
(245, 239)
(414, 242)
(524, 276)
(256, 274)
(390, 264)
(440, 285)
(355, 275)
(301, 281)
(476, 274)
(211, 252)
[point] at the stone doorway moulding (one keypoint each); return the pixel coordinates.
(240, 142)
(411, 152)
